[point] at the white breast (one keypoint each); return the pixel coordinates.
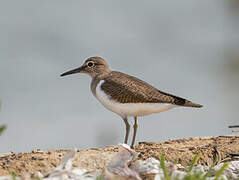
(130, 109)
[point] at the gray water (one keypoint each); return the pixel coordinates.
(188, 48)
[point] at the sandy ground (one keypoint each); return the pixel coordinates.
(177, 151)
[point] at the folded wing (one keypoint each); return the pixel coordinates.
(124, 88)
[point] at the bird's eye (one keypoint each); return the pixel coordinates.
(90, 64)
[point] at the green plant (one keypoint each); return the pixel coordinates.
(192, 175)
(220, 171)
(164, 168)
(2, 128)
(195, 158)
(100, 177)
(13, 175)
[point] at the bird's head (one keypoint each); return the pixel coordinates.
(93, 66)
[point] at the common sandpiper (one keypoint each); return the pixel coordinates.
(127, 95)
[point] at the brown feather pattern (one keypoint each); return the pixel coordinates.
(124, 88)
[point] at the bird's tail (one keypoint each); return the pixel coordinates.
(191, 104)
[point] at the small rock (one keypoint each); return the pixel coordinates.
(148, 166)
(178, 174)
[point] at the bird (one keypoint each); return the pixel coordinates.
(127, 95)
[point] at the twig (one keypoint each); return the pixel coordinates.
(235, 126)
(234, 154)
(217, 155)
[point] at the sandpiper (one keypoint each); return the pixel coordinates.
(126, 95)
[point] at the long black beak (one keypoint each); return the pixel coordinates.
(74, 71)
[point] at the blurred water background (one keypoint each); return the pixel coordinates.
(189, 48)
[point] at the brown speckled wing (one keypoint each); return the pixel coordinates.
(124, 88)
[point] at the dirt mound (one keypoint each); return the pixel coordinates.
(177, 151)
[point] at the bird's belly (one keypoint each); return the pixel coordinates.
(130, 109)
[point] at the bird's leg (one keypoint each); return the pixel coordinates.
(127, 130)
(135, 131)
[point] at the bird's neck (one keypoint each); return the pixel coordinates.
(100, 75)
(97, 78)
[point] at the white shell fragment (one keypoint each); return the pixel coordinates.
(66, 172)
(148, 166)
(119, 165)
